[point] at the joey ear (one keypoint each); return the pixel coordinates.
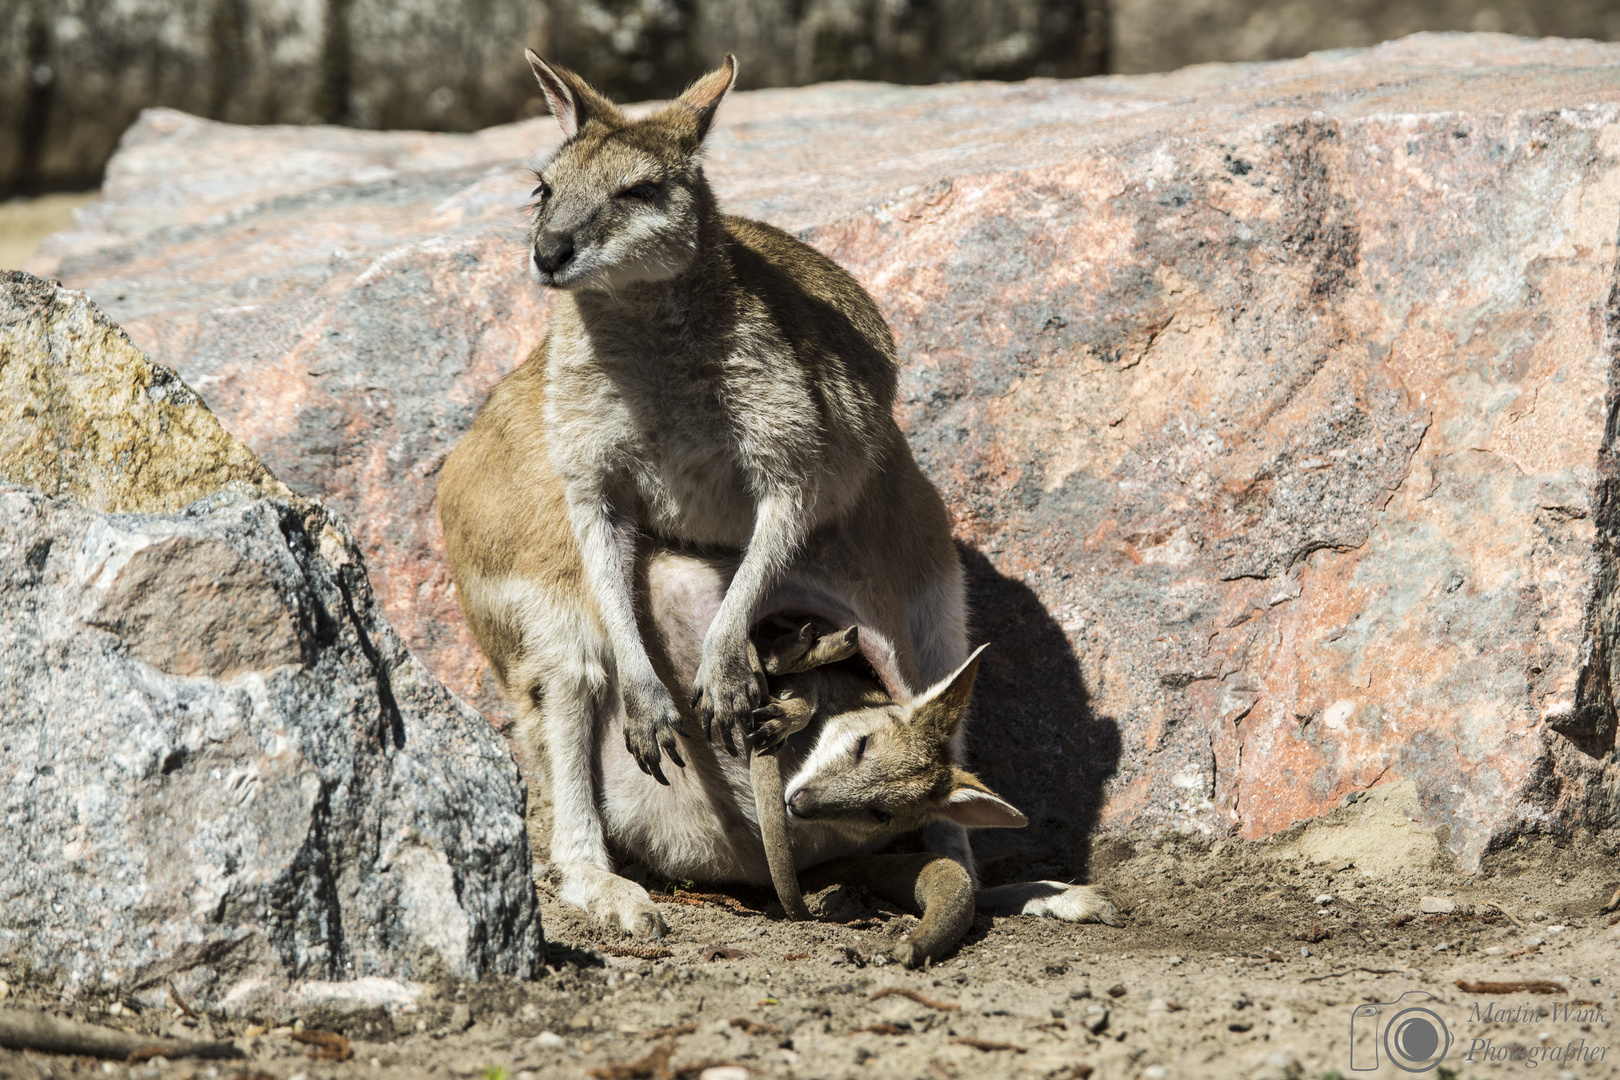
(571, 98)
(704, 96)
(974, 806)
(940, 708)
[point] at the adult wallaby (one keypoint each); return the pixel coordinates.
(712, 382)
(707, 382)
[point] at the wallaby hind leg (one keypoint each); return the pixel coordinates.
(936, 886)
(1053, 899)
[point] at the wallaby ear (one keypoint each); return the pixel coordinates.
(974, 806)
(940, 708)
(703, 97)
(571, 98)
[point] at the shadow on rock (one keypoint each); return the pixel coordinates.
(1034, 736)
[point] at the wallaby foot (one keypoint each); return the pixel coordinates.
(1053, 899)
(610, 898)
(934, 885)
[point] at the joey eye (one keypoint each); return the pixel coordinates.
(640, 193)
(883, 816)
(860, 749)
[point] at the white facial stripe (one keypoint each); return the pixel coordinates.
(831, 747)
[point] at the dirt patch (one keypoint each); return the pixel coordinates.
(1236, 960)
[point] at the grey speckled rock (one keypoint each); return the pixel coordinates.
(218, 763)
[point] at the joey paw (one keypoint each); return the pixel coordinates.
(771, 727)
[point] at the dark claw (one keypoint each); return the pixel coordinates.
(674, 754)
(725, 737)
(697, 696)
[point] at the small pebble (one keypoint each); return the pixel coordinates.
(1304, 950)
(1532, 942)
(1436, 905)
(1495, 950)
(1155, 1072)
(1117, 990)
(1558, 929)
(1443, 946)
(724, 1072)
(548, 1040)
(1324, 900)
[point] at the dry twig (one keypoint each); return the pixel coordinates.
(1521, 986)
(880, 1029)
(179, 1002)
(639, 952)
(1509, 914)
(983, 1044)
(31, 1029)
(324, 1045)
(1348, 970)
(921, 999)
(704, 899)
(754, 1027)
(722, 952)
(654, 1066)
(670, 1032)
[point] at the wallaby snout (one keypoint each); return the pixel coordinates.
(552, 252)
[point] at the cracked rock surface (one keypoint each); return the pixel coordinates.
(218, 764)
(1270, 400)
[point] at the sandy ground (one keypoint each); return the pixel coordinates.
(25, 222)
(1236, 960)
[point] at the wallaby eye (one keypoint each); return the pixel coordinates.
(860, 749)
(883, 816)
(641, 192)
(542, 191)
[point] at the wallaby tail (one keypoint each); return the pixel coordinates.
(765, 770)
(934, 885)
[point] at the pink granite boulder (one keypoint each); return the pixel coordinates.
(1271, 401)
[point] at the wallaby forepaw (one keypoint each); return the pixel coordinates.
(725, 694)
(652, 726)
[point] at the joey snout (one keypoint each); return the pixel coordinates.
(803, 804)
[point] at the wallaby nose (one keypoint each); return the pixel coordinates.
(552, 253)
(799, 805)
